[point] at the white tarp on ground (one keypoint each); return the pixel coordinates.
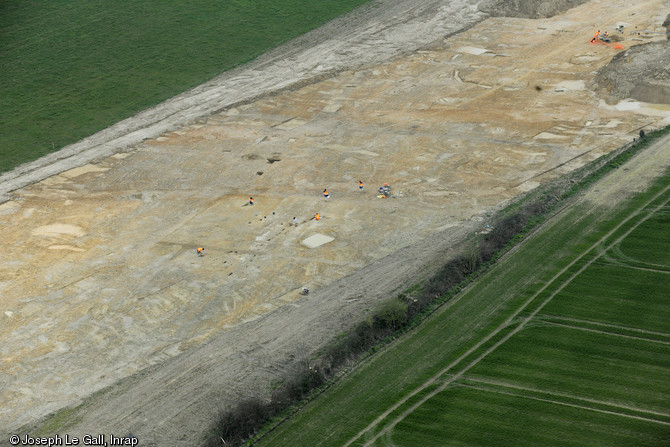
(473, 50)
(317, 240)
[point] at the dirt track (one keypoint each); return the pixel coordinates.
(107, 250)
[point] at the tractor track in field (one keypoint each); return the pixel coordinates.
(598, 331)
(545, 317)
(565, 396)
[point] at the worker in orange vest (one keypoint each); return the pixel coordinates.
(251, 200)
(360, 185)
(595, 37)
(200, 251)
(317, 216)
(325, 194)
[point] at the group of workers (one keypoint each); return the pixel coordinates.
(383, 193)
(597, 36)
(326, 195)
(605, 39)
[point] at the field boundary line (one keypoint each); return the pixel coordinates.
(546, 317)
(567, 404)
(506, 323)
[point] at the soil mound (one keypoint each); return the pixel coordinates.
(532, 9)
(642, 73)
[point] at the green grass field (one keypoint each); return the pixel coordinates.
(648, 244)
(566, 342)
(494, 417)
(72, 68)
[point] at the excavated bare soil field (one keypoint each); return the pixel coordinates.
(99, 277)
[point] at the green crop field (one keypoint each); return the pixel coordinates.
(565, 342)
(72, 68)
(502, 418)
(649, 243)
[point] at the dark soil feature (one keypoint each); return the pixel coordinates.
(531, 9)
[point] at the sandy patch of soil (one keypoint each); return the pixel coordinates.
(58, 229)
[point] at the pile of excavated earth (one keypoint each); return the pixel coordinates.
(106, 304)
